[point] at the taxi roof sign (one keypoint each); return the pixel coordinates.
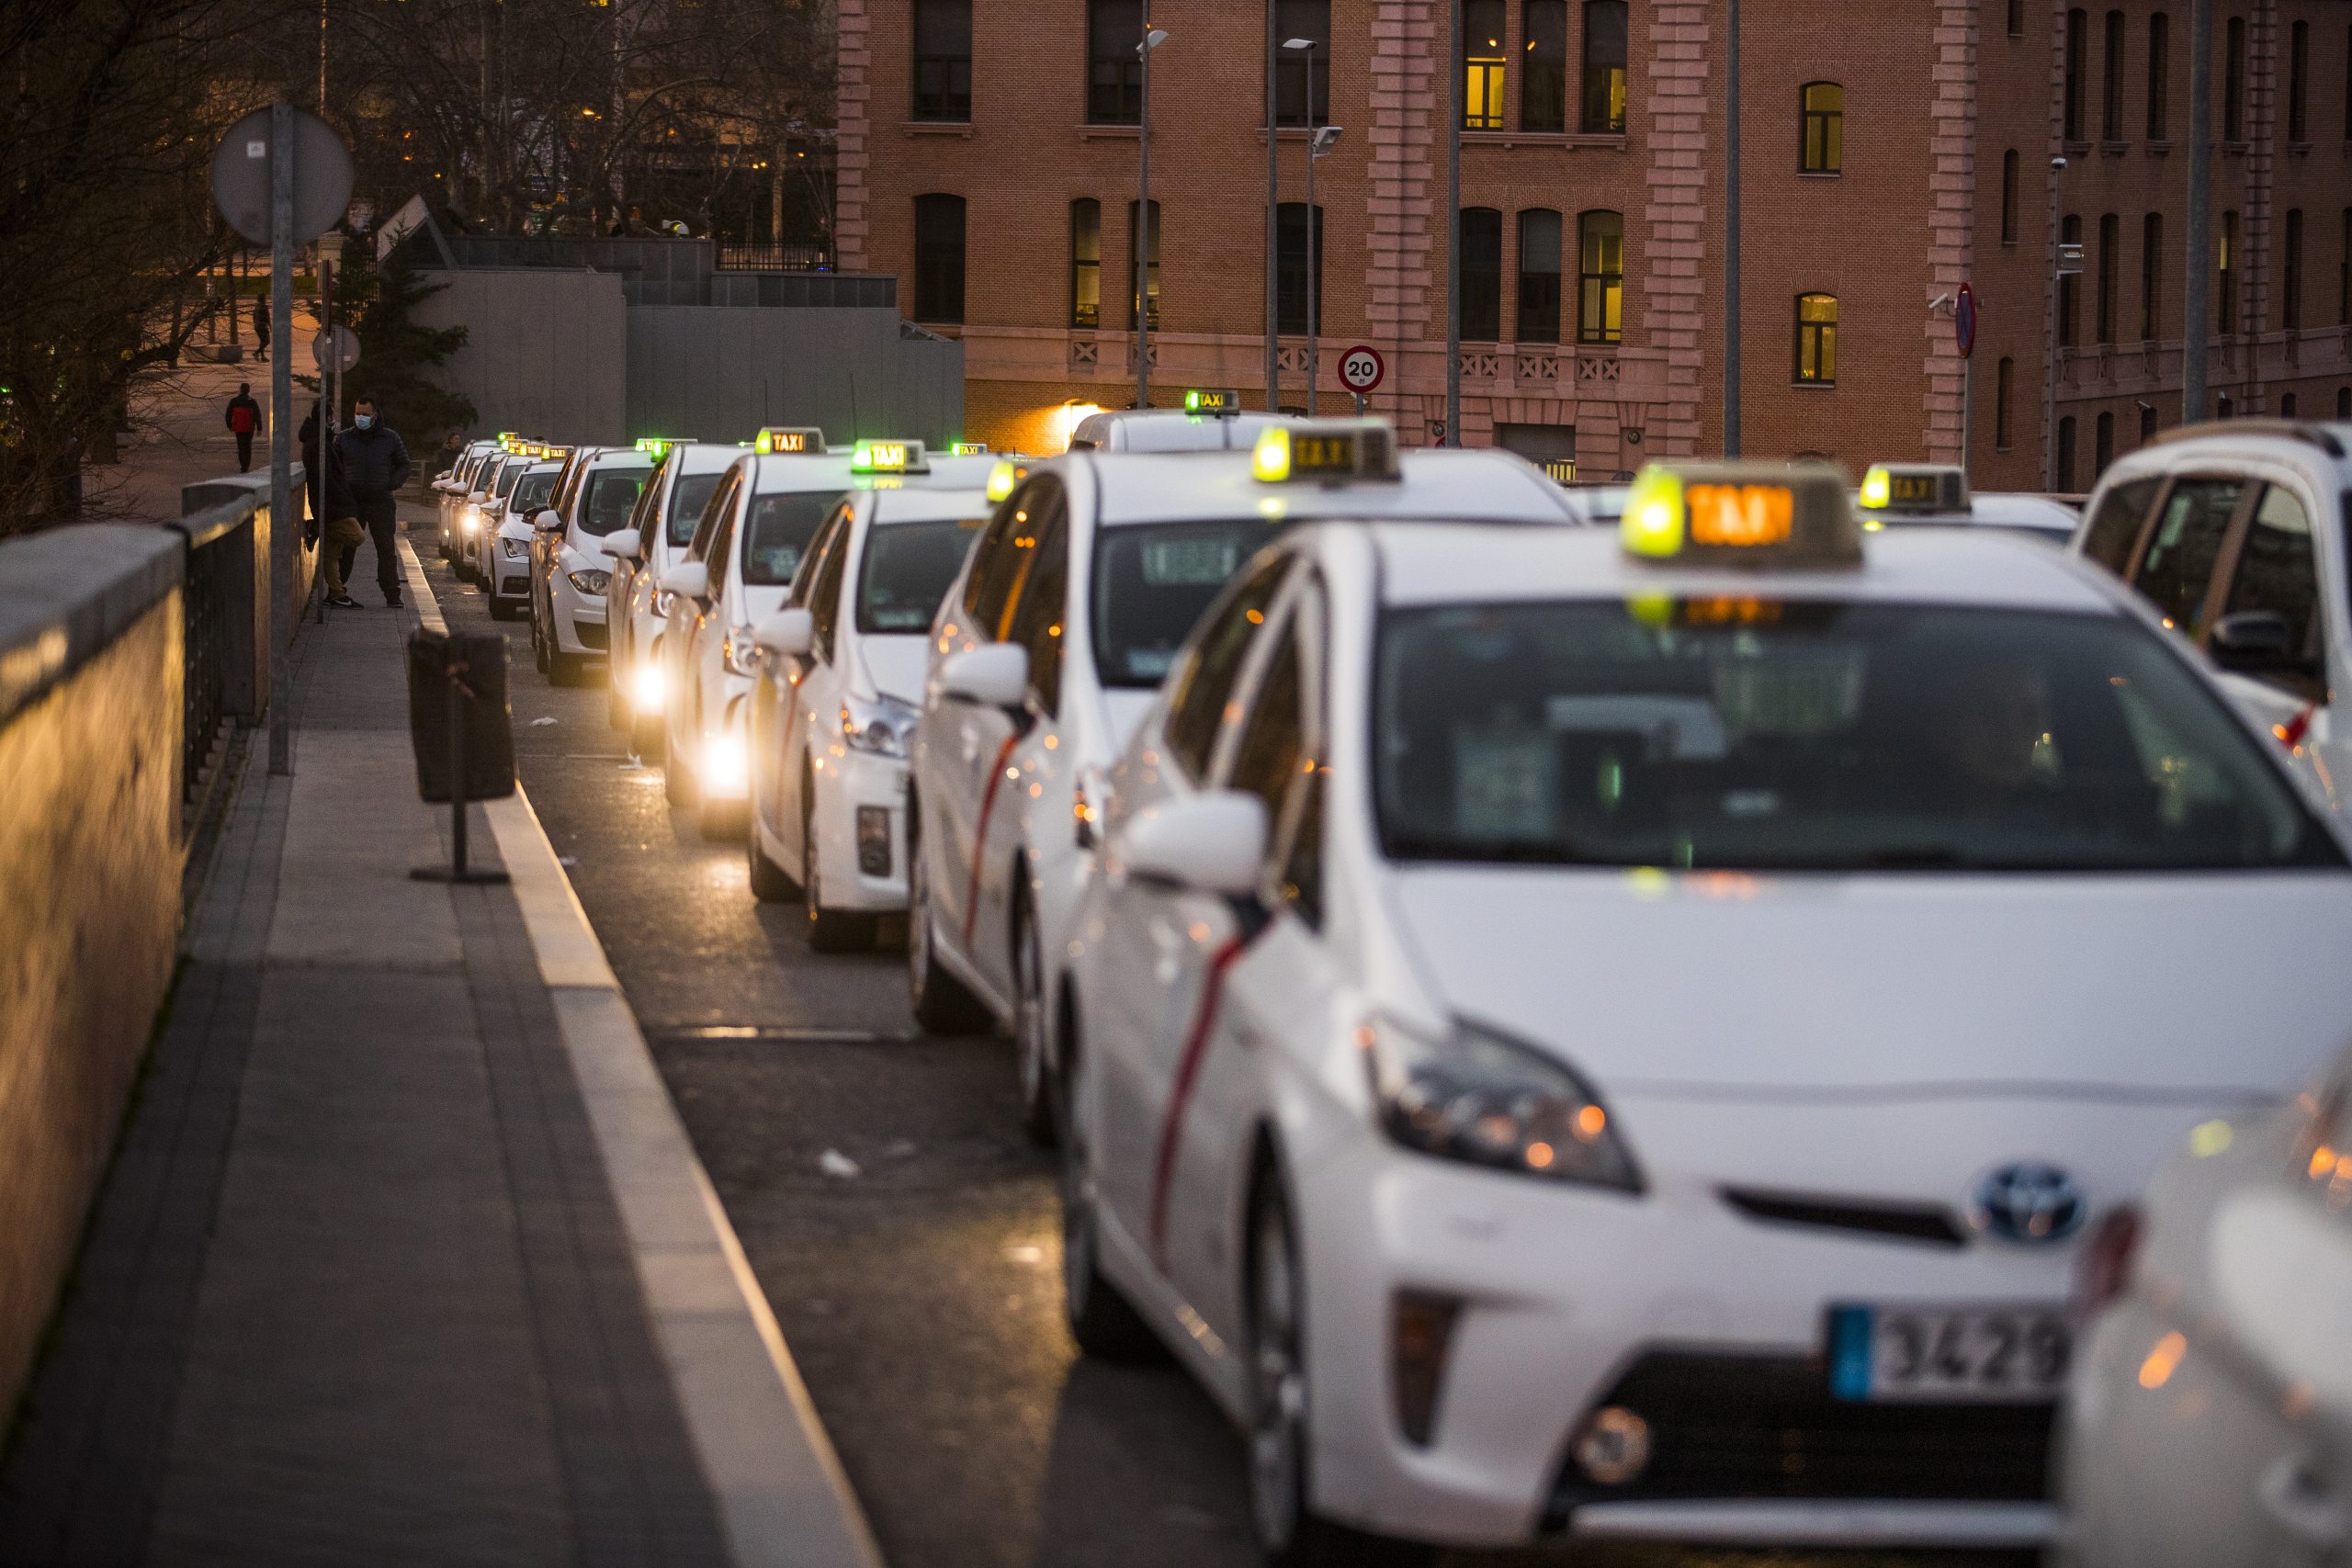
(1762, 516)
(1332, 451)
(788, 440)
(1914, 487)
(967, 448)
(1004, 474)
(890, 457)
(1222, 402)
(659, 445)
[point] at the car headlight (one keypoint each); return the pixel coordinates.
(882, 726)
(740, 653)
(473, 517)
(590, 580)
(645, 688)
(515, 549)
(1477, 1097)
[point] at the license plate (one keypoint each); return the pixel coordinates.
(1997, 1355)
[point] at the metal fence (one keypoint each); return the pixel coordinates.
(763, 256)
(225, 625)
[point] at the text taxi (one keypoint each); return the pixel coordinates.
(1622, 1034)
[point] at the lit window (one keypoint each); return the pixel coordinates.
(1481, 64)
(1601, 277)
(1818, 339)
(1825, 129)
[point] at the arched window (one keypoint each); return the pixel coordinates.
(1601, 277)
(1086, 263)
(939, 258)
(2286, 405)
(2299, 83)
(1822, 148)
(1539, 275)
(2003, 374)
(2070, 285)
(2225, 407)
(1149, 242)
(2344, 402)
(2159, 74)
(2291, 269)
(2152, 275)
(1114, 69)
(2225, 293)
(2110, 108)
(2110, 253)
(1604, 67)
(2010, 197)
(1817, 340)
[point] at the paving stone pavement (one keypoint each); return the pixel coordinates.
(357, 1290)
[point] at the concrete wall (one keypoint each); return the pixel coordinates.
(90, 864)
(546, 350)
(718, 373)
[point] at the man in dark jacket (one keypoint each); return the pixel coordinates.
(261, 329)
(242, 419)
(375, 464)
(334, 514)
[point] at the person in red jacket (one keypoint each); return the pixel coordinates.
(243, 419)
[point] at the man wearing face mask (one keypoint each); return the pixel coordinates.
(375, 464)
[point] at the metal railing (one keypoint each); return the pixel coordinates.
(764, 255)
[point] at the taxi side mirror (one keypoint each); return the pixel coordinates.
(687, 580)
(621, 546)
(547, 518)
(1211, 842)
(789, 633)
(993, 675)
(2252, 640)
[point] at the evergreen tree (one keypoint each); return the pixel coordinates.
(398, 354)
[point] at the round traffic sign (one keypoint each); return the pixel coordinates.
(1963, 321)
(341, 342)
(321, 176)
(1361, 369)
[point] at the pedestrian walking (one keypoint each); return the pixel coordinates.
(375, 464)
(261, 329)
(334, 512)
(243, 419)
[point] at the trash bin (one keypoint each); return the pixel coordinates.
(483, 733)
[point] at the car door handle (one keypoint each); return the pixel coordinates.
(2299, 1501)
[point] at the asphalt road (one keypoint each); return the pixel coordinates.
(921, 1297)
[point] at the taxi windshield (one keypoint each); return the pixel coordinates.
(612, 495)
(907, 570)
(686, 499)
(506, 477)
(1151, 583)
(778, 531)
(1750, 734)
(531, 492)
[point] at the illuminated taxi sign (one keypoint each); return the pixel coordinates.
(657, 446)
(888, 457)
(1330, 451)
(1753, 515)
(782, 440)
(967, 448)
(1914, 487)
(1222, 402)
(1003, 475)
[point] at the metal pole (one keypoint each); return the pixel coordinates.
(456, 765)
(1313, 125)
(1143, 229)
(2196, 298)
(1731, 236)
(2050, 339)
(283, 531)
(1273, 358)
(1454, 231)
(1967, 381)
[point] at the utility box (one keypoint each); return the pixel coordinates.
(458, 718)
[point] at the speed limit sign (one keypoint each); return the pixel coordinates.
(1361, 369)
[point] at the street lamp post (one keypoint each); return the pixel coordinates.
(1320, 139)
(1152, 39)
(1454, 229)
(1274, 323)
(2050, 328)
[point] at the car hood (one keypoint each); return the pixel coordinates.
(1125, 708)
(2154, 986)
(896, 663)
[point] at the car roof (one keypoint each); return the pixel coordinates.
(1432, 563)
(795, 473)
(1171, 430)
(618, 457)
(704, 456)
(937, 503)
(1484, 484)
(1993, 508)
(2312, 446)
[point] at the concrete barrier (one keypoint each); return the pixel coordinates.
(91, 718)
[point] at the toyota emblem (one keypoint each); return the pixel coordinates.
(2030, 1202)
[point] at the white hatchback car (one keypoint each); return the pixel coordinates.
(1624, 1038)
(1211, 422)
(1068, 613)
(2210, 1420)
(453, 487)
(836, 700)
(592, 500)
(2235, 532)
(667, 512)
(503, 568)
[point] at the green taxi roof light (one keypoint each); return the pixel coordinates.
(1876, 485)
(1212, 401)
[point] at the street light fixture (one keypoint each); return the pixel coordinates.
(1152, 39)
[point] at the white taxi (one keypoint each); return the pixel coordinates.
(685, 475)
(453, 487)
(1209, 421)
(1624, 1038)
(593, 499)
(2236, 532)
(478, 517)
(1903, 495)
(1047, 651)
(503, 568)
(835, 702)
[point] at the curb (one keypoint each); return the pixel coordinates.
(781, 1493)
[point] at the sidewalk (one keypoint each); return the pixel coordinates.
(404, 1256)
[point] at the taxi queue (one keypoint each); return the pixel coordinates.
(1791, 1017)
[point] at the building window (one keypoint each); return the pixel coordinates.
(1482, 274)
(2299, 83)
(2152, 276)
(2064, 468)
(1151, 268)
(1601, 277)
(1822, 108)
(2110, 246)
(2287, 405)
(939, 258)
(2010, 197)
(1552, 448)
(943, 59)
(2077, 40)
(2225, 406)
(1114, 69)
(2102, 445)
(1086, 263)
(2110, 108)
(2147, 422)
(1539, 275)
(1817, 340)
(2003, 375)
(2159, 74)
(2017, 18)
(2224, 287)
(1544, 84)
(2344, 275)
(2234, 82)
(1604, 67)
(2344, 402)
(1309, 19)
(2290, 294)
(1291, 268)
(1481, 64)
(2070, 286)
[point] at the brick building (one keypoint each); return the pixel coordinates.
(1889, 152)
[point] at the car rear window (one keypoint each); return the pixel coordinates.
(907, 570)
(612, 496)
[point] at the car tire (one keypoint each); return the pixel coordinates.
(943, 1005)
(719, 820)
(647, 738)
(1102, 1323)
(677, 783)
(770, 884)
(618, 714)
(538, 645)
(500, 611)
(829, 931)
(1032, 1027)
(563, 668)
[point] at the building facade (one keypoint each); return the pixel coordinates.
(1889, 153)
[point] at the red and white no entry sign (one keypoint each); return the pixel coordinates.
(1361, 369)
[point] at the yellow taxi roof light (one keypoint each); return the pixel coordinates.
(1758, 515)
(1328, 451)
(794, 440)
(967, 448)
(1914, 487)
(1002, 477)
